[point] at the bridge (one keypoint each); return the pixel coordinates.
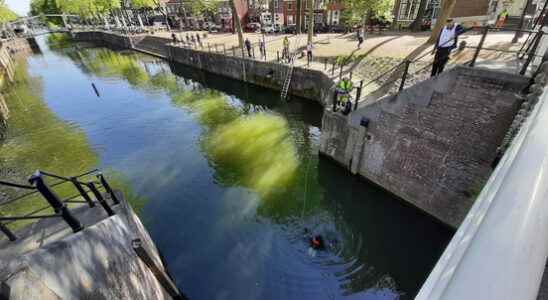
(36, 26)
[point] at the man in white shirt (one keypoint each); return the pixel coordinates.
(447, 41)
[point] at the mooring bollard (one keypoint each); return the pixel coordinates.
(358, 95)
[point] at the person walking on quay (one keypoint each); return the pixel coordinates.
(447, 41)
(262, 48)
(360, 38)
(285, 50)
(501, 19)
(174, 38)
(309, 48)
(198, 39)
(248, 46)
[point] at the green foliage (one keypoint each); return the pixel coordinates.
(205, 7)
(83, 8)
(6, 14)
(356, 10)
(144, 4)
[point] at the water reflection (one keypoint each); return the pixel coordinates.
(236, 180)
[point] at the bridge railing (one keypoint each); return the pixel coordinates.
(39, 188)
(500, 249)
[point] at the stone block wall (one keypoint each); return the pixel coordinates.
(305, 83)
(310, 84)
(434, 143)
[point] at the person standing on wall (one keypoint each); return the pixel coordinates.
(285, 51)
(309, 48)
(248, 46)
(447, 41)
(360, 38)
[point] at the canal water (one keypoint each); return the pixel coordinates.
(225, 176)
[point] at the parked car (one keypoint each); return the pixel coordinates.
(267, 29)
(292, 29)
(253, 27)
(337, 28)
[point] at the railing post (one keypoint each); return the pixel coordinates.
(341, 71)
(108, 188)
(531, 53)
(216, 50)
(208, 47)
(224, 49)
(80, 189)
(351, 75)
(333, 68)
(404, 76)
(358, 95)
(325, 64)
(233, 51)
(278, 53)
(53, 200)
(100, 198)
(480, 45)
(253, 51)
(7, 232)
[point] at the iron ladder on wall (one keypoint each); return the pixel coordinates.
(289, 75)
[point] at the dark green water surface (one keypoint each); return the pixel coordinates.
(227, 177)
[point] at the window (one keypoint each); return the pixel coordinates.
(290, 20)
(289, 6)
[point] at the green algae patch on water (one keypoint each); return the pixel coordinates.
(213, 110)
(256, 151)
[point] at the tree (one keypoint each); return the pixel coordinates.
(445, 11)
(237, 24)
(416, 25)
(360, 12)
(298, 18)
(311, 4)
(6, 14)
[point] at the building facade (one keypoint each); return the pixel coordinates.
(465, 11)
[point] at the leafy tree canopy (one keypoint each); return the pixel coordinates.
(6, 14)
(356, 10)
(79, 7)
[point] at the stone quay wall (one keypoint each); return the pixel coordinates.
(433, 144)
(309, 84)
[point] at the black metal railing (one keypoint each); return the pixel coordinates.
(398, 77)
(39, 187)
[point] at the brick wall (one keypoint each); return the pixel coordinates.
(470, 8)
(433, 144)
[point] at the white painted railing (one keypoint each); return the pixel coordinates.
(500, 250)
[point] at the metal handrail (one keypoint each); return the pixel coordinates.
(58, 205)
(479, 47)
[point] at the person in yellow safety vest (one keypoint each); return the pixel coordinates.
(285, 52)
(344, 88)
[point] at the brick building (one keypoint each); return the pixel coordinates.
(405, 11)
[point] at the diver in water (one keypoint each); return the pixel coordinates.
(316, 241)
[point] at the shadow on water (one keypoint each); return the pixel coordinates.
(239, 187)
